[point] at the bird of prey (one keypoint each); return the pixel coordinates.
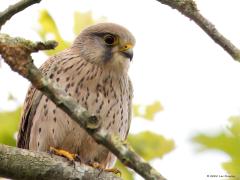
(94, 71)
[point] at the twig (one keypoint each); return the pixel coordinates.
(18, 55)
(189, 9)
(13, 9)
(18, 163)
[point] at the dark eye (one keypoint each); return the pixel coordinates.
(110, 39)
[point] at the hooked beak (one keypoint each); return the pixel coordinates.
(127, 51)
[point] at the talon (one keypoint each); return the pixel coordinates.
(114, 170)
(50, 152)
(78, 158)
(95, 164)
(60, 152)
(101, 168)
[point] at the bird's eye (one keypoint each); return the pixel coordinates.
(110, 39)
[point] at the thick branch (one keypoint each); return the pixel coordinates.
(189, 9)
(14, 9)
(17, 55)
(24, 164)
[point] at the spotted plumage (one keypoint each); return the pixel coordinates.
(94, 72)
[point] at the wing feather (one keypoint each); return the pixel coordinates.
(129, 105)
(29, 109)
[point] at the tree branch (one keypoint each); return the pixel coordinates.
(24, 164)
(17, 53)
(14, 9)
(189, 9)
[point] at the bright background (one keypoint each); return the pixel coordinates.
(174, 62)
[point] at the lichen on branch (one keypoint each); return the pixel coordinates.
(17, 51)
(18, 163)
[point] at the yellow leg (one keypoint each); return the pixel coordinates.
(60, 152)
(101, 168)
(114, 170)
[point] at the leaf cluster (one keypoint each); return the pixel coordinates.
(227, 141)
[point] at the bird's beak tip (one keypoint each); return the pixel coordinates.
(128, 54)
(127, 51)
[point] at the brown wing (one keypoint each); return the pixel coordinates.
(29, 108)
(32, 100)
(129, 105)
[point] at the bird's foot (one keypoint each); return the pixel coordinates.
(102, 168)
(114, 170)
(69, 156)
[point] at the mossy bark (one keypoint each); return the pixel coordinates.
(23, 164)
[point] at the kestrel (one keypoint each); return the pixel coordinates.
(94, 71)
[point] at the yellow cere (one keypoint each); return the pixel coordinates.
(126, 47)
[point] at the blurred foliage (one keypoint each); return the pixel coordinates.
(227, 141)
(48, 28)
(148, 144)
(9, 121)
(126, 173)
(84, 19)
(147, 112)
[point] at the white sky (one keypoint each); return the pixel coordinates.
(174, 62)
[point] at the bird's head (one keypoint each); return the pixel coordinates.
(106, 44)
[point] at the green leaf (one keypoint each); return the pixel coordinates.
(9, 121)
(150, 145)
(126, 173)
(227, 141)
(232, 167)
(81, 20)
(84, 19)
(49, 28)
(147, 112)
(222, 142)
(234, 127)
(136, 110)
(152, 109)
